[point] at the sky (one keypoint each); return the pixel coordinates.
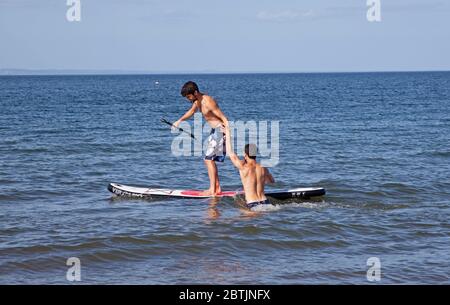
(225, 36)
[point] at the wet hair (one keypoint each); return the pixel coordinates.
(189, 88)
(251, 151)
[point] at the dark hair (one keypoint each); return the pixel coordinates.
(189, 88)
(251, 150)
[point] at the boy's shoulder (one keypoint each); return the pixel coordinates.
(209, 99)
(209, 102)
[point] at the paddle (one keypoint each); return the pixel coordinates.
(180, 129)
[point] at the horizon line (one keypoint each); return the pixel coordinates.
(62, 72)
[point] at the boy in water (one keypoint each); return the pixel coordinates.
(253, 175)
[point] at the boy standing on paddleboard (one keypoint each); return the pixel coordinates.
(216, 140)
(253, 175)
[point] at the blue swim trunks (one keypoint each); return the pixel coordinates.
(256, 203)
(215, 149)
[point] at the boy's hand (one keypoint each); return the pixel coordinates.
(223, 128)
(177, 123)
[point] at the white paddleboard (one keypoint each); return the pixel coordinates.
(145, 192)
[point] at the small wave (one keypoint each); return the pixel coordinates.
(29, 195)
(383, 206)
(24, 266)
(155, 239)
(30, 150)
(13, 198)
(306, 205)
(401, 187)
(444, 154)
(110, 255)
(4, 181)
(337, 203)
(434, 153)
(49, 248)
(278, 205)
(114, 199)
(367, 205)
(9, 142)
(265, 208)
(297, 244)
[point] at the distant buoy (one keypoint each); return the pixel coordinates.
(157, 83)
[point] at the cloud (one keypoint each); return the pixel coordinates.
(284, 16)
(345, 11)
(416, 7)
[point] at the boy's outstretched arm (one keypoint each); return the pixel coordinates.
(229, 149)
(187, 115)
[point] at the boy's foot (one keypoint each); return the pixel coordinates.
(207, 193)
(211, 193)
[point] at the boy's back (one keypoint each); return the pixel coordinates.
(253, 177)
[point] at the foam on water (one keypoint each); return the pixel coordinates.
(277, 207)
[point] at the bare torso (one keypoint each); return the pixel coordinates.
(213, 120)
(253, 179)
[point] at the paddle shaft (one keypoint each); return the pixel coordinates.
(180, 129)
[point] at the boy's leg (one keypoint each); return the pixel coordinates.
(218, 189)
(213, 176)
(213, 154)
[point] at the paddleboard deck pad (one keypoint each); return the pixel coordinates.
(144, 192)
